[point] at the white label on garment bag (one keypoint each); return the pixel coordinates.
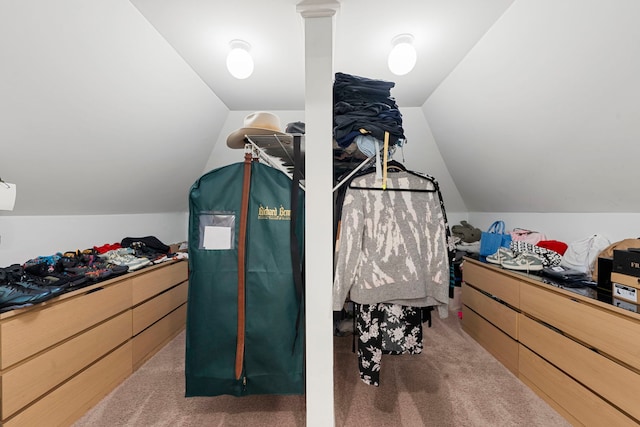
(7, 196)
(217, 238)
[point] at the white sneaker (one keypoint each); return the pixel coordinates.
(503, 254)
(526, 261)
(131, 261)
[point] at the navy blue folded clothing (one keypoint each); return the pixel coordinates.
(150, 242)
(564, 274)
(364, 106)
(354, 88)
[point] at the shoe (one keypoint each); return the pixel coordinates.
(124, 257)
(524, 262)
(54, 285)
(503, 254)
(12, 295)
(98, 274)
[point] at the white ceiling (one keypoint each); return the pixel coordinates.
(200, 31)
(118, 106)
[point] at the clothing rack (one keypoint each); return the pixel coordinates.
(385, 155)
(268, 147)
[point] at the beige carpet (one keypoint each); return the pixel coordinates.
(454, 382)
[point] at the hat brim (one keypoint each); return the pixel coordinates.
(236, 138)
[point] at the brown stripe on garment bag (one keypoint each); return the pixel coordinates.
(242, 237)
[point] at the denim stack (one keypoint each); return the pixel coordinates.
(364, 106)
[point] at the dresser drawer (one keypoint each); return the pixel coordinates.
(149, 284)
(500, 315)
(493, 282)
(154, 309)
(26, 334)
(606, 331)
(608, 379)
(64, 405)
(30, 380)
(496, 342)
(575, 402)
(160, 333)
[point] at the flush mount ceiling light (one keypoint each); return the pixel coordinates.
(239, 60)
(403, 56)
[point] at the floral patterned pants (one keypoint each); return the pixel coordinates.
(385, 328)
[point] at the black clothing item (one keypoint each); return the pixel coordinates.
(364, 106)
(353, 88)
(376, 126)
(149, 241)
(385, 328)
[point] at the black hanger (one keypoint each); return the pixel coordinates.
(395, 166)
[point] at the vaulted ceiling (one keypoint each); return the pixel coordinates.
(116, 106)
(200, 31)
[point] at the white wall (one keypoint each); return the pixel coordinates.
(97, 109)
(421, 154)
(26, 237)
(542, 114)
(565, 227)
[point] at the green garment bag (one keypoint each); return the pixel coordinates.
(271, 357)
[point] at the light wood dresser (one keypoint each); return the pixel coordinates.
(61, 357)
(579, 353)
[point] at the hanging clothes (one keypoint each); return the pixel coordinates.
(393, 244)
(393, 260)
(385, 329)
(254, 347)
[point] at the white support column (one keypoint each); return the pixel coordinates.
(318, 31)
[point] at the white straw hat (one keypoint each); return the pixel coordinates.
(258, 123)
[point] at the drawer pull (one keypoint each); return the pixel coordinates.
(94, 290)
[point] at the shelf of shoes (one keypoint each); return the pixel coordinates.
(60, 357)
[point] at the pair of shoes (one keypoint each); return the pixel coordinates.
(525, 261)
(16, 294)
(503, 254)
(123, 257)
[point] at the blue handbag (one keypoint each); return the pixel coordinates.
(492, 239)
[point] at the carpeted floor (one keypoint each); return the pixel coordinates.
(454, 382)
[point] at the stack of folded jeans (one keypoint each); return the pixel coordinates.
(363, 106)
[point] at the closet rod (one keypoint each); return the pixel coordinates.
(353, 172)
(264, 156)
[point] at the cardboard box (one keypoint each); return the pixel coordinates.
(626, 262)
(625, 287)
(178, 247)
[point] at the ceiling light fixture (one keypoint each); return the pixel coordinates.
(403, 56)
(239, 60)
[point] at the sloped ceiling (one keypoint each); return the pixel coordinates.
(200, 31)
(98, 114)
(112, 106)
(543, 114)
